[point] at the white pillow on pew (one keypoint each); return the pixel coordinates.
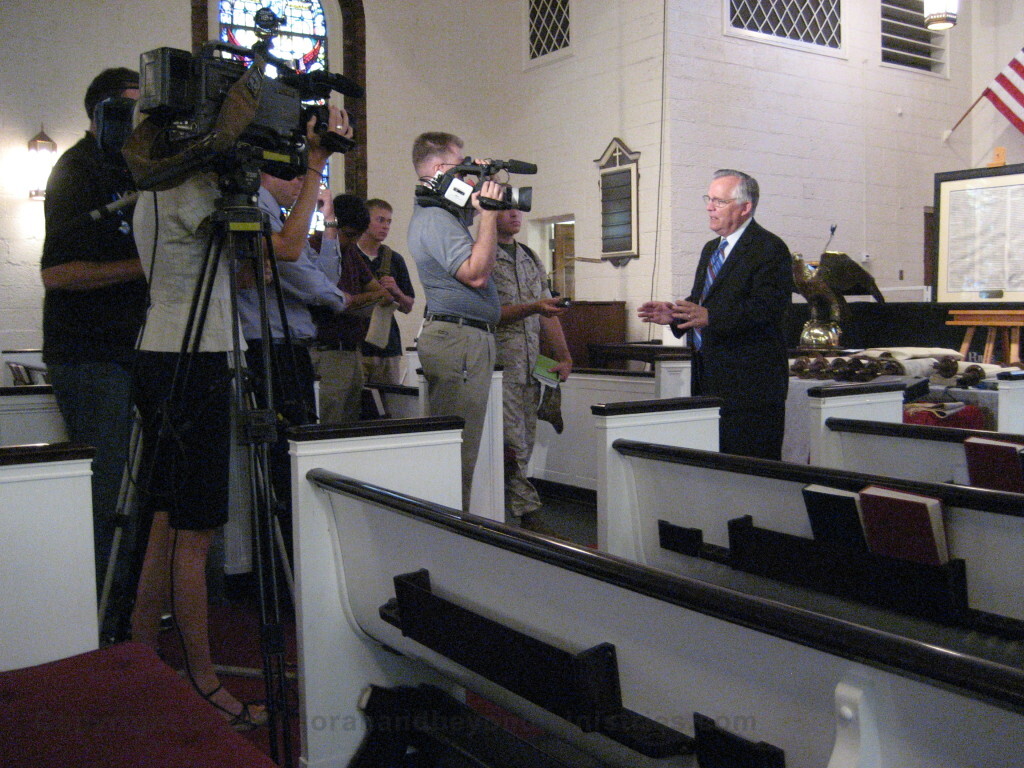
(910, 353)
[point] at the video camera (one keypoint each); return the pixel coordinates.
(206, 105)
(455, 190)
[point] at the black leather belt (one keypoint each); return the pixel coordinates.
(334, 346)
(463, 321)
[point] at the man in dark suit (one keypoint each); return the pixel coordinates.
(735, 317)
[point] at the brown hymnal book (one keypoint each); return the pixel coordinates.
(904, 525)
(835, 517)
(995, 464)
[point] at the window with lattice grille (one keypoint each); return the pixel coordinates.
(549, 27)
(815, 22)
(907, 42)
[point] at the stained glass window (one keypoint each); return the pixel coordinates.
(301, 41)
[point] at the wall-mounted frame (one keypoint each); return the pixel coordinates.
(980, 254)
(619, 206)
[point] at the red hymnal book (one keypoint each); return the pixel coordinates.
(904, 525)
(995, 464)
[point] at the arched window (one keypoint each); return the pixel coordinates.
(302, 41)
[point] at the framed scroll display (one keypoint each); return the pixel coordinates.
(981, 235)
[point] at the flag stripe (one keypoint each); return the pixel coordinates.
(1006, 92)
(1006, 110)
(1011, 89)
(1014, 73)
(1017, 64)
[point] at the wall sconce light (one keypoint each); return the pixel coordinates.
(42, 154)
(940, 14)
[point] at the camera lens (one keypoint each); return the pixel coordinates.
(520, 198)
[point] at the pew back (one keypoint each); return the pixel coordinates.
(29, 414)
(705, 490)
(912, 451)
(572, 457)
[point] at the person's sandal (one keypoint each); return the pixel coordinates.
(245, 720)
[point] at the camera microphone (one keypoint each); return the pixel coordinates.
(318, 84)
(101, 213)
(518, 166)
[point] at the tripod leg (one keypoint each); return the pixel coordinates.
(125, 500)
(286, 565)
(263, 481)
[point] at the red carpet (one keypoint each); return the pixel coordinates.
(235, 642)
(119, 707)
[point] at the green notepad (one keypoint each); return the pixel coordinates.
(543, 373)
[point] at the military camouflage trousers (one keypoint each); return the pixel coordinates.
(519, 403)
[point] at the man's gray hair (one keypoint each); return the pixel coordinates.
(747, 190)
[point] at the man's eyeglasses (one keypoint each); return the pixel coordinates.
(717, 201)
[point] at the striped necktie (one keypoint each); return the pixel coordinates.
(713, 268)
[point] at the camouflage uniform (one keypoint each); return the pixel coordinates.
(519, 281)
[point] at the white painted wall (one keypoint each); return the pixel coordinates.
(996, 37)
(844, 140)
(464, 71)
(51, 52)
(832, 140)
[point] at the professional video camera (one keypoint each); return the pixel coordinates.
(203, 107)
(448, 185)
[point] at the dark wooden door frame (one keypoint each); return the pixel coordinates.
(354, 64)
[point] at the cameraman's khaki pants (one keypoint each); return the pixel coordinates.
(458, 363)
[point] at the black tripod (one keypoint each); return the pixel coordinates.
(242, 233)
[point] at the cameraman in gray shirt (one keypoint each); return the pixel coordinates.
(456, 346)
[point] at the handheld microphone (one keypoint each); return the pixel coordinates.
(98, 214)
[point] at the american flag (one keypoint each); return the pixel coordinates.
(1006, 92)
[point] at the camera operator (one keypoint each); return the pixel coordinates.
(93, 306)
(302, 283)
(456, 344)
(187, 429)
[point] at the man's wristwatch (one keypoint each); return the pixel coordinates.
(333, 224)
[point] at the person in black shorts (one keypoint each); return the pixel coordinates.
(185, 402)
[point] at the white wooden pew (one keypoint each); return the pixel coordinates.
(572, 457)
(29, 414)
(47, 565)
(911, 451)
(693, 489)
(859, 427)
(823, 685)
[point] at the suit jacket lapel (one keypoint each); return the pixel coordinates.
(737, 256)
